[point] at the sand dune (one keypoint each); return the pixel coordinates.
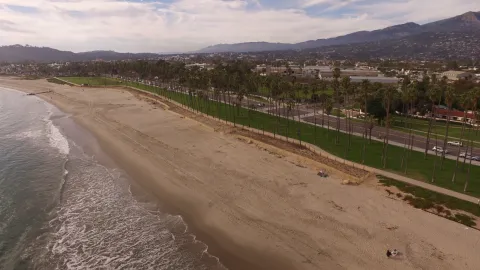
(263, 206)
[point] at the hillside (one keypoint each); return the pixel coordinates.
(423, 46)
(19, 53)
(468, 22)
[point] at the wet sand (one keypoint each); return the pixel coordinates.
(257, 207)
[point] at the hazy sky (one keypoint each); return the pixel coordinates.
(185, 25)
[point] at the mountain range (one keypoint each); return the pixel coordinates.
(468, 22)
(456, 37)
(19, 53)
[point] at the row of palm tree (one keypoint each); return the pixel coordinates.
(233, 83)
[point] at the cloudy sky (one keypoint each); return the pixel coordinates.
(186, 25)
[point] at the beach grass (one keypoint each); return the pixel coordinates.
(57, 81)
(417, 166)
(426, 199)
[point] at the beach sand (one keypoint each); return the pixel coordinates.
(255, 206)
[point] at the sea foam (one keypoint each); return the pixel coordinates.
(55, 137)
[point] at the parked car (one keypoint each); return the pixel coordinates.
(439, 149)
(455, 143)
(476, 158)
(465, 155)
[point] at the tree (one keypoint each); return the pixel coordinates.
(474, 98)
(346, 87)
(434, 95)
(376, 109)
(465, 104)
(337, 101)
(449, 99)
(389, 94)
(365, 94)
(314, 98)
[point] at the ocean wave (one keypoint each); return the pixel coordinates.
(100, 225)
(57, 139)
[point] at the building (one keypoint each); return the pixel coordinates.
(385, 80)
(455, 115)
(453, 75)
(350, 72)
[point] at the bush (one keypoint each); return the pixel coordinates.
(439, 209)
(399, 195)
(465, 220)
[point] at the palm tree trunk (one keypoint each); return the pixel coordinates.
(323, 114)
(386, 136)
(469, 143)
(429, 131)
(445, 140)
(458, 149)
(315, 122)
(435, 161)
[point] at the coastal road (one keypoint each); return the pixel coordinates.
(395, 135)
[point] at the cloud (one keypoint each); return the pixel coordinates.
(184, 25)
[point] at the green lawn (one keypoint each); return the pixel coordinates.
(420, 125)
(418, 167)
(93, 81)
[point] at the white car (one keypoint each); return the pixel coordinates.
(465, 155)
(455, 143)
(439, 149)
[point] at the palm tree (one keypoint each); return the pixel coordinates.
(388, 95)
(337, 102)
(449, 99)
(328, 109)
(409, 97)
(465, 104)
(314, 97)
(346, 86)
(434, 94)
(365, 92)
(474, 98)
(322, 85)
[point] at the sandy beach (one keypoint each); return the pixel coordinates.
(256, 206)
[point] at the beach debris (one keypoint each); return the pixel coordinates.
(392, 228)
(322, 173)
(336, 206)
(350, 182)
(392, 253)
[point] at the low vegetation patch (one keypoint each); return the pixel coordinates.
(57, 81)
(435, 202)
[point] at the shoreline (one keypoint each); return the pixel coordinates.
(218, 246)
(254, 208)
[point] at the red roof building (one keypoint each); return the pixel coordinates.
(454, 114)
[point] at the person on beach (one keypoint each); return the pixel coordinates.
(392, 253)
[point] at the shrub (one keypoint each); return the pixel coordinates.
(465, 220)
(439, 209)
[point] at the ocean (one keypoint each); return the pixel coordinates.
(61, 207)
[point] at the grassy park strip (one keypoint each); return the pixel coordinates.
(349, 147)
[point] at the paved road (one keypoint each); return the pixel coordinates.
(395, 135)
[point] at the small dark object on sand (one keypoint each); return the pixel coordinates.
(392, 253)
(322, 174)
